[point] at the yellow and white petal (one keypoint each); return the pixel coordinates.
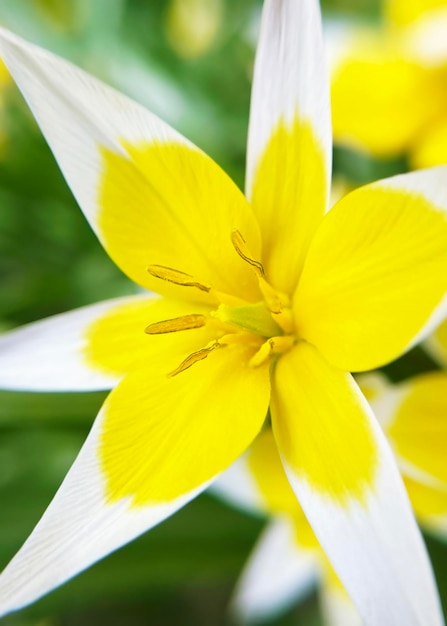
(346, 479)
(277, 575)
(51, 355)
(375, 277)
(418, 428)
(289, 140)
(157, 442)
(149, 194)
(436, 344)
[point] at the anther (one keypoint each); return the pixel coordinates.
(175, 276)
(185, 322)
(241, 248)
(195, 357)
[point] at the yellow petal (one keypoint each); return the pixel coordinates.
(170, 205)
(289, 197)
(289, 144)
(155, 445)
(116, 342)
(376, 103)
(346, 479)
(162, 437)
(300, 407)
(376, 274)
(418, 428)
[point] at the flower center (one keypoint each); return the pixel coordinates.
(266, 326)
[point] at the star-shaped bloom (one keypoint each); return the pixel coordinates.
(379, 76)
(268, 301)
(288, 560)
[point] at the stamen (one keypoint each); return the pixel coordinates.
(261, 355)
(241, 248)
(274, 345)
(195, 357)
(175, 276)
(185, 322)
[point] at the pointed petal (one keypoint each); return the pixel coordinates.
(277, 575)
(375, 278)
(149, 194)
(289, 142)
(95, 346)
(345, 476)
(50, 355)
(157, 442)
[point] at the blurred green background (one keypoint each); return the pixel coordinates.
(195, 73)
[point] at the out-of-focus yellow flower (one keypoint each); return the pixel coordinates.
(389, 91)
(192, 25)
(288, 560)
(5, 79)
(406, 12)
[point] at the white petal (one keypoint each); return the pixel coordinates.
(278, 574)
(49, 355)
(76, 530)
(290, 78)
